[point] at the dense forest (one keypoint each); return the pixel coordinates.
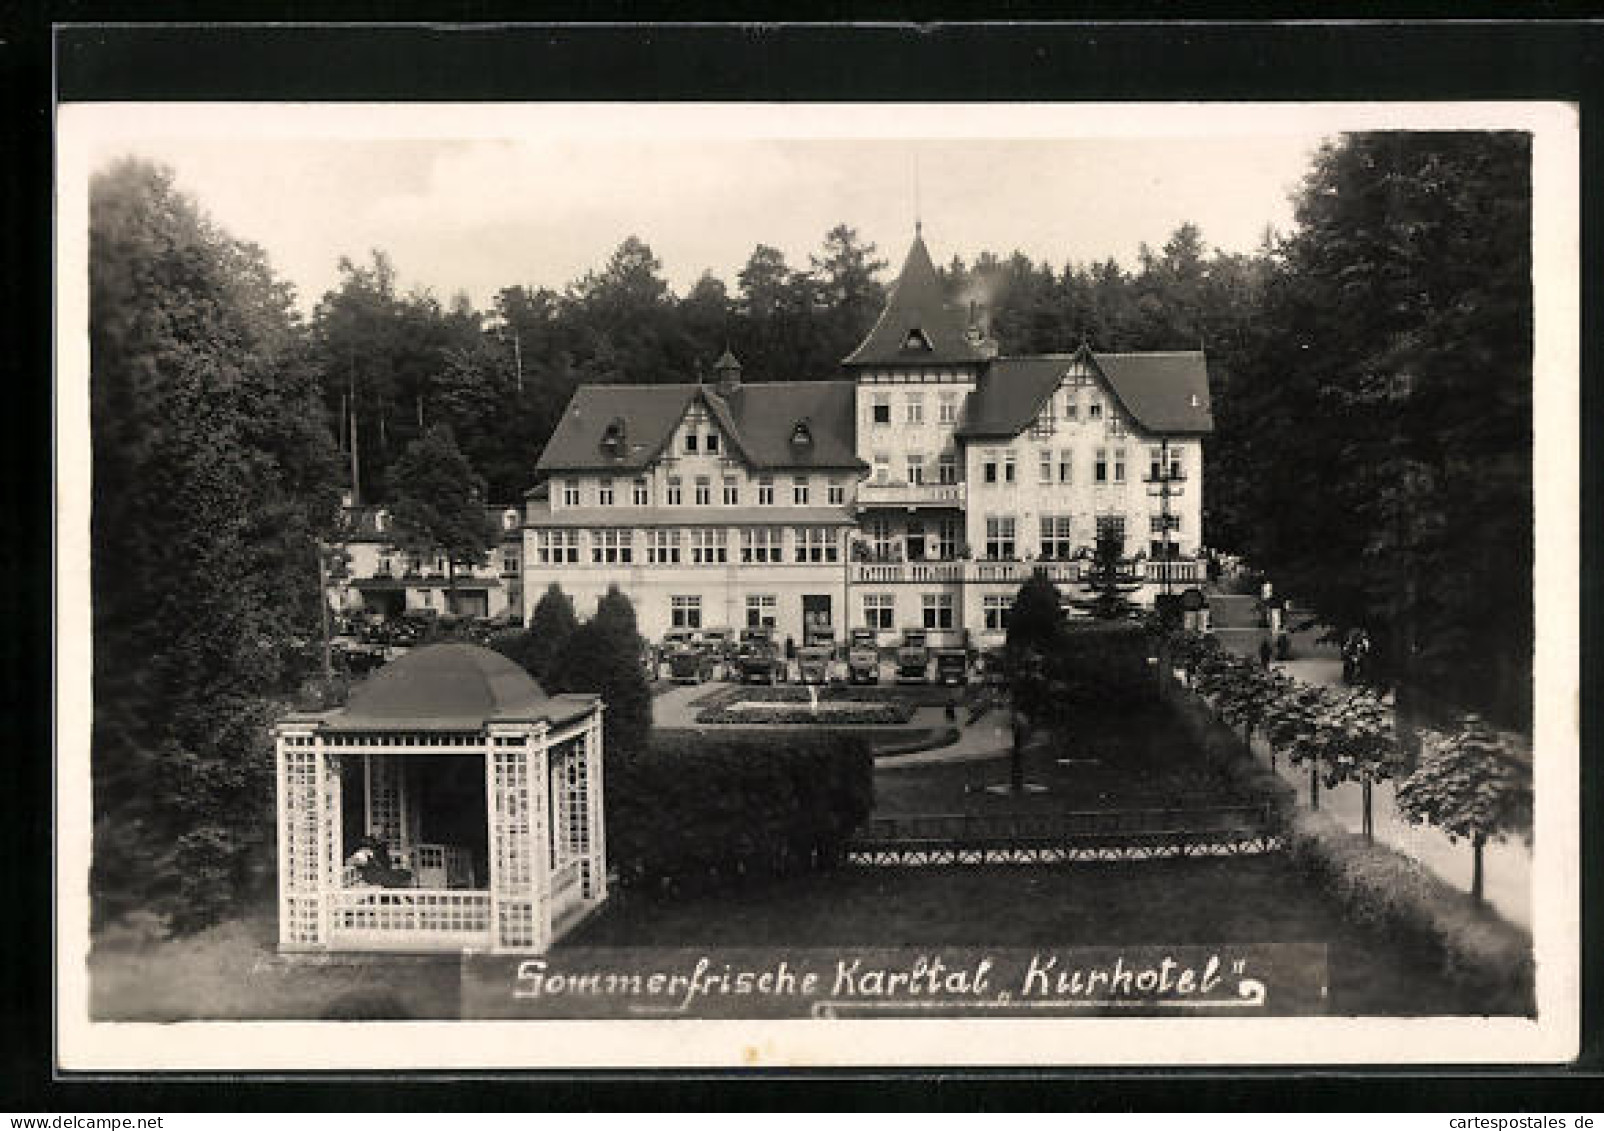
(1371, 374)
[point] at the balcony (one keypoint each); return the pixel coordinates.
(1182, 571)
(1187, 571)
(910, 494)
(880, 573)
(1016, 572)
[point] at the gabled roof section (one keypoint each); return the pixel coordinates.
(918, 325)
(766, 416)
(758, 422)
(650, 414)
(1163, 392)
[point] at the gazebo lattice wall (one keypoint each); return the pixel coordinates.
(545, 842)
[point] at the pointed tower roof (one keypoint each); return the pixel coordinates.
(917, 325)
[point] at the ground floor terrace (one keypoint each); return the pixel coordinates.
(957, 602)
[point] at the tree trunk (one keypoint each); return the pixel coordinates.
(1369, 820)
(451, 585)
(1314, 785)
(1476, 845)
(1016, 758)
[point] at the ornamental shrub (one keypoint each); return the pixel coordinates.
(701, 810)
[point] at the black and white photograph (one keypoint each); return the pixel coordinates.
(750, 585)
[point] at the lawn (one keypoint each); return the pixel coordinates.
(1167, 902)
(1136, 760)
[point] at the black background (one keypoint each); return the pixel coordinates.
(86, 55)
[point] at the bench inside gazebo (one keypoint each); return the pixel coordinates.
(484, 793)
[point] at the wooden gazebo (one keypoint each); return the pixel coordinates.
(484, 793)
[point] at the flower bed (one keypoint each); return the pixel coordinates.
(792, 710)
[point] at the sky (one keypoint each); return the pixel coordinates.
(544, 205)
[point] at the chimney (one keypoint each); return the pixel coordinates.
(727, 370)
(976, 334)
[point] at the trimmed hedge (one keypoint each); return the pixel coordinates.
(705, 810)
(1399, 899)
(1379, 889)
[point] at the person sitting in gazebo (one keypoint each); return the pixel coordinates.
(373, 866)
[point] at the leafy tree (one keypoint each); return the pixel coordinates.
(214, 479)
(1031, 651)
(536, 647)
(438, 505)
(1405, 296)
(1473, 785)
(602, 657)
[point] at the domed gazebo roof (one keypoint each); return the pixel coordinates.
(454, 687)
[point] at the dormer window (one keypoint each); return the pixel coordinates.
(802, 434)
(916, 340)
(612, 440)
(509, 518)
(381, 521)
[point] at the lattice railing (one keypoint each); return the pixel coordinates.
(414, 910)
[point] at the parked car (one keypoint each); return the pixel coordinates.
(720, 642)
(952, 667)
(760, 660)
(913, 656)
(813, 664)
(863, 657)
(690, 662)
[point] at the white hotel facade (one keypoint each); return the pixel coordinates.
(918, 490)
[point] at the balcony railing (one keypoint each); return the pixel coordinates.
(911, 494)
(1180, 571)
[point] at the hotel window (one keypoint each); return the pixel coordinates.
(642, 493)
(799, 490)
(1116, 424)
(882, 468)
(914, 539)
(662, 547)
(604, 493)
(762, 610)
(1066, 466)
(762, 544)
(879, 611)
(1155, 465)
(690, 443)
(948, 409)
(1119, 465)
(676, 494)
(1000, 537)
(1094, 410)
(711, 444)
(1072, 406)
(938, 610)
(916, 468)
(704, 491)
(988, 469)
(708, 547)
(880, 412)
(509, 562)
(685, 612)
(916, 408)
(1056, 540)
(837, 494)
(1008, 467)
(947, 468)
(765, 491)
(570, 492)
(947, 539)
(611, 547)
(556, 547)
(997, 607)
(732, 491)
(1044, 466)
(1100, 466)
(880, 538)
(816, 544)
(1112, 526)
(1155, 523)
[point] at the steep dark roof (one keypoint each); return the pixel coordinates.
(451, 687)
(758, 421)
(917, 302)
(1165, 392)
(1157, 389)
